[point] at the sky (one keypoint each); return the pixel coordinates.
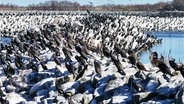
(83, 2)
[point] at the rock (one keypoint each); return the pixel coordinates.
(121, 99)
(81, 98)
(43, 84)
(43, 93)
(61, 100)
(113, 84)
(143, 97)
(14, 98)
(169, 89)
(152, 85)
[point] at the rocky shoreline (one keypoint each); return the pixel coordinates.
(92, 58)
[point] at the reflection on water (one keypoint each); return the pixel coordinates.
(175, 43)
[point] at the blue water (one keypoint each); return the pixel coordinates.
(5, 40)
(173, 41)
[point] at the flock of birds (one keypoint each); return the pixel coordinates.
(83, 58)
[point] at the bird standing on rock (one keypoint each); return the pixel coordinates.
(33, 66)
(81, 52)
(57, 60)
(81, 73)
(80, 59)
(43, 64)
(164, 68)
(159, 63)
(9, 70)
(67, 52)
(173, 64)
(98, 68)
(68, 64)
(118, 64)
(154, 58)
(132, 57)
(133, 86)
(140, 66)
(106, 51)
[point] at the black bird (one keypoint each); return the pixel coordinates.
(140, 66)
(132, 57)
(98, 68)
(43, 64)
(69, 66)
(181, 69)
(42, 43)
(118, 65)
(21, 47)
(8, 57)
(18, 61)
(9, 70)
(34, 52)
(80, 60)
(16, 41)
(57, 60)
(57, 39)
(120, 51)
(66, 52)
(26, 46)
(164, 68)
(59, 83)
(9, 49)
(88, 12)
(81, 73)
(81, 52)
(134, 85)
(153, 58)
(173, 64)
(33, 66)
(2, 46)
(2, 59)
(106, 52)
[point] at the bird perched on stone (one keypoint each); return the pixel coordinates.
(43, 64)
(68, 64)
(154, 58)
(140, 66)
(132, 57)
(57, 60)
(173, 64)
(118, 64)
(67, 52)
(81, 52)
(81, 60)
(164, 68)
(98, 68)
(81, 73)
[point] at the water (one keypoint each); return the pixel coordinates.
(173, 41)
(5, 40)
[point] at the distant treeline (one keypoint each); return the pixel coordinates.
(70, 6)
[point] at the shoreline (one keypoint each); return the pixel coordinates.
(88, 59)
